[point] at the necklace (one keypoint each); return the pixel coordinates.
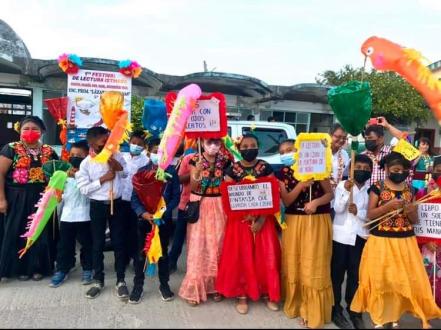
(34, 152)
(335, 182)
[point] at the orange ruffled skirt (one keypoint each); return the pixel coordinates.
(306, 268)
(393, 281)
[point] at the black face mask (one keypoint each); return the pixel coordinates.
(249, 154)
(76, 161)
(371, 145)
(398, 177)
(362, 176)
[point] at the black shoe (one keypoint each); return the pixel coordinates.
(121, 290)
(166, 293)
(136, 295)
(357, 321)
(94, 291)
(172, 269)
(340, 320)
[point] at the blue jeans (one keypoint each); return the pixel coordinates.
(178, 239)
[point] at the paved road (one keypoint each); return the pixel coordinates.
(35, 305)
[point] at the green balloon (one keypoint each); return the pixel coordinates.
(352, 104)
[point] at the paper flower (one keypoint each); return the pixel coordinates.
(69, 63)
(20, 175)
(130, 68)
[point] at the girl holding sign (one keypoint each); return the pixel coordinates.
(306, 245)
(250, 261)
(392, 276)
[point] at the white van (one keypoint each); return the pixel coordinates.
(270, 134)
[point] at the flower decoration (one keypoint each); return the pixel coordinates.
(20, 176)
(130, 68)
(69, 63)
(36, 174)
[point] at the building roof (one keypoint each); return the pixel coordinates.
(14, 55)
(435, 66)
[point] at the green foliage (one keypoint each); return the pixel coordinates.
(137, 110)
(393, 97)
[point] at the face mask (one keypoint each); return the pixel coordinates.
(362, 176)
(30, 136)
(211, 149)
(154, 158)
(135, 150)
(249, 154)
(75, 161)
(371, 145)
(398, 177)
(287, 159)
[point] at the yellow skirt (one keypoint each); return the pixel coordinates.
(306, 268)
(393, 281)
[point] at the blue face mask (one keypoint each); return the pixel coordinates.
(154, 158)
(287, 159)
(135, 150)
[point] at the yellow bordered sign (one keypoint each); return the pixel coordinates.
(406, 149)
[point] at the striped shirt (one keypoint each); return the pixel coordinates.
(378, 174)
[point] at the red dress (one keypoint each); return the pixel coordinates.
(250, 263)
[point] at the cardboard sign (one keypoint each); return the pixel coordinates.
(406, 149)
(208, 120)
(313, 157)
(429, 226)
(257, 197)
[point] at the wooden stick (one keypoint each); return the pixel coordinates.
(351, 195)
(199, 147)
(111, 197)
(310, 200)
(434, 275)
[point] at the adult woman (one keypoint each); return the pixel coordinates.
(205, 237)
(423, 166)
(21, 182)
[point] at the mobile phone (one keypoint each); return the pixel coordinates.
(373, 121)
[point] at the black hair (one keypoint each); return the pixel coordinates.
(138, 134)
(96, 132)
(361, 158)
(81, 145)
(290, 141)
(376, 129)
(395, 158)
(249, 136)
(426, 141)
(250, 117)
(436, 161)
(335, 128)
(35, 120)
(153, 143)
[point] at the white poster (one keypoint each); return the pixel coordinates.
(84, 90)
(250, 196)
(312, 157)
(205, 118)
(429, 224)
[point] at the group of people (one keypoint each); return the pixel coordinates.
(243, 258)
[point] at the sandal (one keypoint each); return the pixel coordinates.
(272, 306)
(303, 323)
(192, 303)
(217, 297)
(37, 277)
(395, 325)
(242, 306)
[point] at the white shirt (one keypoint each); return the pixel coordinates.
(346, 226)
(75, 206)
(89, 174)
(133, 165)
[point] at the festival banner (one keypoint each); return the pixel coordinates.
(428, 229)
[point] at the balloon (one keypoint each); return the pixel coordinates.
(45, 207)
(154, 117)
(174, 133)
(388, 56)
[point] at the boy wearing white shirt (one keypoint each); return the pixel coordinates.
(95, 180)
(74, 224)
(349, 238)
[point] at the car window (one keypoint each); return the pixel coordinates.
(269, 139)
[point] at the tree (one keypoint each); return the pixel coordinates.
(137, 110)
(392, 96)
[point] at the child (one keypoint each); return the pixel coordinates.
(249, 267)
(349, 237)
(74, 224)
(306, 246)
(135, 159)
(95, 181)
(428, 249)
(392, 276)
(171, 195)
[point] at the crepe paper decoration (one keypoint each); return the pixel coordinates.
(45, 208)
(154, 117)
(58, 109)
(160, 210)
(117, 121)
(407, 150)
(313, 157)
(352, 105)
(50, 167)
(130, 68)
(148, 189)
(208, 118)
(407, 62)
(17, 127)
(69, 63)
(174, 132)
(232, 147)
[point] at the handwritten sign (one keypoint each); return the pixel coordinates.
(313, 157)
(406, 149)
(250, 196)
(429, 225)
(205, 118)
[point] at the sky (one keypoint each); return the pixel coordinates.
(282, 42)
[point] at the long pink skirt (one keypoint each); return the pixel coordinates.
(204, 246)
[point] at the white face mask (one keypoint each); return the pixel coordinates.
(154, 158)
(211, 149)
